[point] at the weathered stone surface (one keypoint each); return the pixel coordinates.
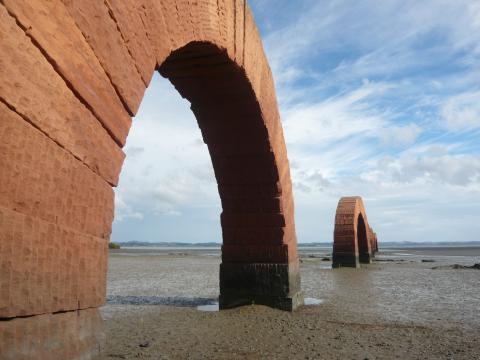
(133, 31)
(153, 19)
(30, 85)
(255, 253)
(251, 236)
(55, 33)
(69, 335)
(211, 51)
(47, 268)
(353, 240)
(101, 32)
(186, 21)
(239, 15)
(173, 24)
(41, 179)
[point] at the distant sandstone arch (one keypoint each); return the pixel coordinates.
(72, 73)
(373, 241)
(354, 241)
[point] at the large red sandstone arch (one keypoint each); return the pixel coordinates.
(72, 73)
(354, 241)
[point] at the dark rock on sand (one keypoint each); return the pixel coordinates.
(160, 300)
(457, 267)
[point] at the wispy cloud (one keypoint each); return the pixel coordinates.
(462, 112)
(334, 118)
(377, 99)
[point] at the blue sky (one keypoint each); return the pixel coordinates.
(378, 98)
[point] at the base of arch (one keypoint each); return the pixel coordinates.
(274, 285)
(232, 300)
(365, 258)
(345, 260)
(349, 260)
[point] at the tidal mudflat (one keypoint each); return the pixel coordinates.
(409, 304)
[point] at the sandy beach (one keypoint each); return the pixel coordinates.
(409, 304)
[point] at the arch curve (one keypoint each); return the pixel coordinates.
(89, 63)
(354, 241)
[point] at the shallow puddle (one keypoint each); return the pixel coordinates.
(312, 301)
(211, 307)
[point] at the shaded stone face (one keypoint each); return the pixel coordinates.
(354, 241)
(69, 335)
(72, 73)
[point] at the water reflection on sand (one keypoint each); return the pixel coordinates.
(212, 307)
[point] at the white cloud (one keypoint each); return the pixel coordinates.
(386, 34)
(311, 181)
(398, 136)
(410, 197)
(462, 112)
(124, 211)
(132, 151)
(335, 118)
(427, 55)
(456, 170)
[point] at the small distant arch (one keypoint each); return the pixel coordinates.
(354, 241)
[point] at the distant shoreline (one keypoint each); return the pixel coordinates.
(405, 244)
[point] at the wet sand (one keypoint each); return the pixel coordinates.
(397, 307)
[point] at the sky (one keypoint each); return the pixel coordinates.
(379, 99)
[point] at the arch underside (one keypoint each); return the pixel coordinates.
(365, 249)
(354, 241)
(255, 253)
(72, 73)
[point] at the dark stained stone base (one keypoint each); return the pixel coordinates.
(365, 258)
(345, 260)
(274, 285)
(231, 300)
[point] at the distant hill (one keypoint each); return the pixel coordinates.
(427, 243)
(315, 244)
(167, 244)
